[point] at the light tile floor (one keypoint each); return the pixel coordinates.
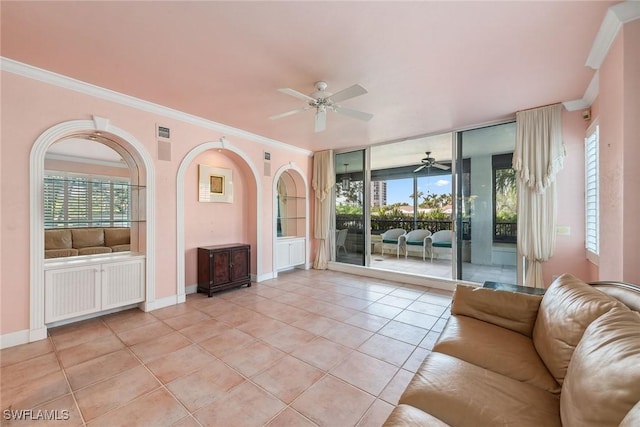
(311, 348)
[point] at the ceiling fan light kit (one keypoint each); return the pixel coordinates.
(324, 101)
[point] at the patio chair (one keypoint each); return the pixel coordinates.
(440, 241)
(390, 240)
(341, 239)
(414, 238)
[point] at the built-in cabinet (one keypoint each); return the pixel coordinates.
(290, 251)
(291, 222)
(92, 284)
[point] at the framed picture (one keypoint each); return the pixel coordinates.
(215, 184)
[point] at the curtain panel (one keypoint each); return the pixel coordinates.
(538, 157)
(324, 178)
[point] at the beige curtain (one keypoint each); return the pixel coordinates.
(538, 157)
(324, 179)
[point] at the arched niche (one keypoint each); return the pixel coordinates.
(290, 219)
(140, 164)
(246, 185)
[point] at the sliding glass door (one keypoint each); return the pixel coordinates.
(350, 230)
(486, 205)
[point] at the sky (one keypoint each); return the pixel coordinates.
(399, 190)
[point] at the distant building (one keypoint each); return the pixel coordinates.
(378, 193)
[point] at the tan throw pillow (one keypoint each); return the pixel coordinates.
(511, 310)
(567, 308)
(603, 379)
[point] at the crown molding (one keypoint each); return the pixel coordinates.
(45, 76)
(615, 18)
(589, 96)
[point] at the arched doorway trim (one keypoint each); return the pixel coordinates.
(180, 244)
(144, 162)
(276, 177)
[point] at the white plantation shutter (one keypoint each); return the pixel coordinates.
(592, 214)
(85, 201)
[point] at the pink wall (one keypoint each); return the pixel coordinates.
(218, 223)
(611, 168)
(30, 107)
(569, 254)
(619, 154)
(631, 149)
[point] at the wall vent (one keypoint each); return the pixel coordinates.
(163, 132)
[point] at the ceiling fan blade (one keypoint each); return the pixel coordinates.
(289, 113)
(297, 94)
(350, 92)
(353, 113)
(321, 120)
(419, 168)
(441, 166)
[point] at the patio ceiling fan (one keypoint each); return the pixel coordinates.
(429, 161)
(324, 101)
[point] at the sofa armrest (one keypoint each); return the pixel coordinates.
(511, 310)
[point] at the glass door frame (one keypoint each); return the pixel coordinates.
(366, 208)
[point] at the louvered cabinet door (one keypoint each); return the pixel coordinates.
(71, 292)
(122, 283)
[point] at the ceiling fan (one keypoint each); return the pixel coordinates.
(429, 161)
(324, 101)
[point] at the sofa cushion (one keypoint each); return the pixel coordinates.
(117, 236)
(87, 237)
(511, 310)
(603, 379)
(568, 307)
(408, 416)
(59, 253)
(57, 239)
(120, 248)
(497, 349)
(92, 250)
(462, 394)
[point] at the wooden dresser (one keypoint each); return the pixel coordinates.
(223, 266)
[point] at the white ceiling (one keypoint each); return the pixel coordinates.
(429, 67)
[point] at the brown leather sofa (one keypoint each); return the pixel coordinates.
(569, 358)
(65, 242)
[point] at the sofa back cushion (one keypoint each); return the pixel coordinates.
(510, 310)
(603, 380)
(87, 237)
(117, 236)
(57, 239)
(567, 309)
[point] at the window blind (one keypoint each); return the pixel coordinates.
(592, 214)
(85, 201)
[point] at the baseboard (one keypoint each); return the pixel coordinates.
(14, 338)
(162, 303)
(191, 289)
(263, 277)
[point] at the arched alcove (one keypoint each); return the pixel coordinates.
(230, 156)
(290, 217)
(137, 158)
